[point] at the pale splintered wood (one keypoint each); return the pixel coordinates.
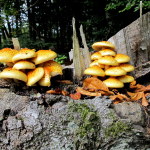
(16, 43)
(85, 51)
(134, 40)
(77, 57)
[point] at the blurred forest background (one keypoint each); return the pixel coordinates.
(47, 24)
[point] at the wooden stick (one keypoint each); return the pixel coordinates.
(77, 58)
(140, 9)
(86, 53)
(16, 43)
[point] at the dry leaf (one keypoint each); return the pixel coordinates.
(94, 84)
(144, 100)
(84, 92)
(57, 91)
(76, 96)
(64, 81)
(135, 96)
(120, 97)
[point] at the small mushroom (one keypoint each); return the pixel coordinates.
(94, 71)
(112, 82)
(13, 74)
(43, 56)
(35, 75)
(103, 45)
(24, 53)
(126, 78)
(107, 52)
(55, 67)
(46, 79)
(23, 64)
(6, 55)
(127, 67)
(108, 60)
(115, 71)
(96, 56)
(122, 58)
(95, 63)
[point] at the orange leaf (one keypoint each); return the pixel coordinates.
(144, 100)
(84, 92)
(120, 97)
(144, 89)
(135, 96)
(75, 96)
(57, 91)
(94, 84)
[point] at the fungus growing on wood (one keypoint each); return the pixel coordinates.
(24, 64)
(41, 64)
(13, 74)
(94, 71)
(113, 83)
(23, 54)
(103, 45)
(43, 56)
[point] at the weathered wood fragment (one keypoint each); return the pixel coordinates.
(85, 51)
(16, 43)
(77, 57)
(134, 40)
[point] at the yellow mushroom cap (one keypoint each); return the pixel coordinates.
(107, 52)
(46, 79)
(122, 58)
(103, 45)
(115, 71)
(127, 67)
(13, 74)
(23, 64)
(108, 60)
(24, 53)
(35, 75)
(55, 67)
(6, 54)
(113, 83)
(126, 78)
(94, 71)
(96, 56)
(95, 63)
(43, 56)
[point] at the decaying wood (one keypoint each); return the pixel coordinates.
(134, 40)
(16, 43)
(85, 51)
(77, 57)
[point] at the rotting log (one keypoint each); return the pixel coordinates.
(134, 40)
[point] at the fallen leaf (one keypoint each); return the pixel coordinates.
(84, 92)
(94, 84)
(76, 96)
(135, 96)
(144, 100)
(64, 81)
(57, 91)
(120, 97)
(144, 89)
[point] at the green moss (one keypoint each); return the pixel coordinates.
(87, 122)
(116, 128)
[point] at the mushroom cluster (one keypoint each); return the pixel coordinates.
(110, 66)
(30, 66)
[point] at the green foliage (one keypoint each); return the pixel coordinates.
(127, 5)
(60, 58)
